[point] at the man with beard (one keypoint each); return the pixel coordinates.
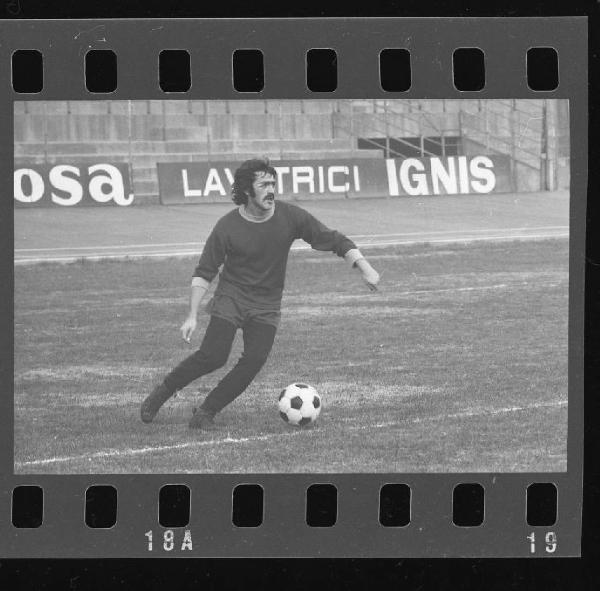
(252, 243)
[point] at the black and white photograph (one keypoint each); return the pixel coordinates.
(291, 286)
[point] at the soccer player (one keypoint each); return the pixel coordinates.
(251, 243)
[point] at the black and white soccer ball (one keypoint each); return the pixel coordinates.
(299, 404)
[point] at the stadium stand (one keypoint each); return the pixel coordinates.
(534, 133)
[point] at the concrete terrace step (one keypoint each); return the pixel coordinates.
(275, 126)
(195, 133)
(102, 127)
(261, 145)
(147, 162)
(181, 119)
(261, 107)
(180, 107)
(85, 128)
(52, 159)
(398, 124)
(175, 106)
(170, 147)
(145, 173)
(246, 107)
(333, 155)
(108, 147)
(69, 148)
(150, 160)
(175, 147)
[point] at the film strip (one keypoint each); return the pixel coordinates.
(443, 407)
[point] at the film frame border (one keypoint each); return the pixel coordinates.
(431, 533)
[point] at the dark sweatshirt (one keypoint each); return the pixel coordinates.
(254, 254)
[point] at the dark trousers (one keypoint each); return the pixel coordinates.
(213, 354)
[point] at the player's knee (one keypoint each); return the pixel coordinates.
(255, 359)
(215, 359)
(219, 359)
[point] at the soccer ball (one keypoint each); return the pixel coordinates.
(299, 405)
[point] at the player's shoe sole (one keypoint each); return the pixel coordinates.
(153, 403)
(201, 419)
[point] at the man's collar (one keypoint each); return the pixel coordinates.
(251, 218)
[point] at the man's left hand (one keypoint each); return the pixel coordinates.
(369, 275)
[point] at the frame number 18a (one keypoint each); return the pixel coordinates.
(169, 541)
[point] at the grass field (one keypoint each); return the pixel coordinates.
(458, 363)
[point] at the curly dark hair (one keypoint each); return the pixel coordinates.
(245, 175)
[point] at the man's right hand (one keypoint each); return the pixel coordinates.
(188, 327)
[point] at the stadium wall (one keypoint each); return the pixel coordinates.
(210, 182)
(104, 184)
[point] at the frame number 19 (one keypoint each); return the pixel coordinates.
(549, 542)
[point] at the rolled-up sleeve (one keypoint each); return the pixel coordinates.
(213, 255)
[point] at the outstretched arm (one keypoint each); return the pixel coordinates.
(320, 237)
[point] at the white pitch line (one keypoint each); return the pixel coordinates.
(142, 450)
(476, 288)
(474, 231)
(188, 253)
(354, 236)
(153, 449)
(485, 412)
(115, 246)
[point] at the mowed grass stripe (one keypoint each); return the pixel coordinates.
(296, 432)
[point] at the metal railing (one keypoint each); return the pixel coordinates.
(481, 131)
(391, 132)
(543, 157)
(407, 114)
(488, 139)
(394, 127)
(389, 152)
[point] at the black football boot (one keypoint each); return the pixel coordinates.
(154, 401)
(202, 419)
